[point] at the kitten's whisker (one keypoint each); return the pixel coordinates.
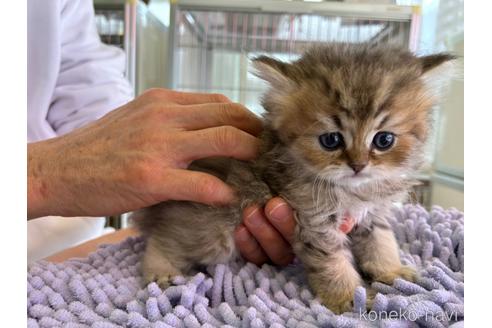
(318, 194)
(330, 193)
(319, 198)
(314, 193)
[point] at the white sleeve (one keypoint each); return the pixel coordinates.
(91, 78)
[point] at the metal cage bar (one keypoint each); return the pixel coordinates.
(209, 38)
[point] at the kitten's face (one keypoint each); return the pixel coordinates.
(350, 143)
(350, 114)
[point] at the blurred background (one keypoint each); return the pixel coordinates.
(206, 46)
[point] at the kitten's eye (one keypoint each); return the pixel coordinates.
(383, 140)
(331, 141)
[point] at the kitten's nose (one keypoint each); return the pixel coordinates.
(357, 167)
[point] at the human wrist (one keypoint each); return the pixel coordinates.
(38, 195)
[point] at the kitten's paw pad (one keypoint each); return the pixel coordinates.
(403, 272)
(149, 278)
(370, 297)
(163, 281)
(338, 304)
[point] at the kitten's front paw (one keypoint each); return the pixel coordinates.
(163, 281)
(370, 297)
(338, 302)
(403, 272)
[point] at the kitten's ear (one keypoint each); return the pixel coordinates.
(433, 61)
(273, 71)
(437, 70)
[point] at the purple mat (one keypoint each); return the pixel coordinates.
(104, 290)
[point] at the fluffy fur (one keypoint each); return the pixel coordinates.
(356, 90)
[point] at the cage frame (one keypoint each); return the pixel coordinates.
(388, 12)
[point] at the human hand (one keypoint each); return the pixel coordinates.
(137, 156)
(267, 234)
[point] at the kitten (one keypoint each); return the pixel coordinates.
(345, 127)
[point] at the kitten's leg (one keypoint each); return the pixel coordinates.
(330, 270)
(376, 251)
(157, 265)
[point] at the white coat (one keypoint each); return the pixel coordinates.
(72, 79)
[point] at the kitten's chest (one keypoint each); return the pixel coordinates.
(320, 209)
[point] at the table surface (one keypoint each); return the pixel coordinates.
(84, 249)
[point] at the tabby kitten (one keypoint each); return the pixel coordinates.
(345, 127)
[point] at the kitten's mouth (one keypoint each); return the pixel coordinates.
(359, 175)
(356, 178)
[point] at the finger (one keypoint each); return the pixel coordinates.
(185, 98)
(194, 186)
(211, 115)
(224, 141)
(281, 216)
(277, 249)
(248, 246)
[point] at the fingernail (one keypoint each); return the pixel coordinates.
(280, 212)
(254, 218)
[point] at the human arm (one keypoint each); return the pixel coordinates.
(137, 156)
